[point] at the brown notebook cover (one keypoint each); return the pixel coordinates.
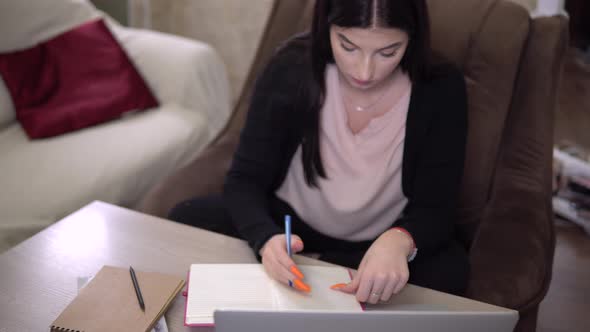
(109, 302)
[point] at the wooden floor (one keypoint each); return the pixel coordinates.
(572, 119)
(566, 307)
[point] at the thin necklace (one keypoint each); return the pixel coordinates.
(360, 108)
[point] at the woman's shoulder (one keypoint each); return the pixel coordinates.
(294, 50)
(288, 70)
(443, 73)
(444, 90)
(290, 58)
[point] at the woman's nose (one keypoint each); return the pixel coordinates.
(366, 69)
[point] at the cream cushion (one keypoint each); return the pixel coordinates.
(7, 115)
(44, 180)
(194, 77)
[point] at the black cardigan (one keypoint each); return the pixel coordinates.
(434, 149)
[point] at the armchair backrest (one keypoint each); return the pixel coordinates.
(512, 66)
(486, 39)
(512, 238)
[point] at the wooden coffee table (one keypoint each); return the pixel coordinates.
(38, 278)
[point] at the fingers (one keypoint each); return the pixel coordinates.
(377, 289)
(393, 283)
(402, 282)
(372, 286)
(302, 286)
(352, 287)
(283, 272)
(280, 266)
(296, 243)
(388, 290)
(288, 270)
(364, 288)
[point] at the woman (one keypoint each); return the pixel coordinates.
(357, 134)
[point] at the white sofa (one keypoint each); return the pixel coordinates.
(41, 181)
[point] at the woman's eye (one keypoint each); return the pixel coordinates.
(389, 55)
(347, 49)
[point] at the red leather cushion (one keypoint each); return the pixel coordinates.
(78, 79)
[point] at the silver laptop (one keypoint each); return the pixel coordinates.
(404, 318)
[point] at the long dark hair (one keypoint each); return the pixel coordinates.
(410, 16)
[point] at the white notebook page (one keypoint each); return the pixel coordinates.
(247, 286)
(319, 278)
(214, 286)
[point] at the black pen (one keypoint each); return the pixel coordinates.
(137, 290)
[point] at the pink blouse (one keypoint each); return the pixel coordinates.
(362, 195)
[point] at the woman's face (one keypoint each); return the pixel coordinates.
(367, 57)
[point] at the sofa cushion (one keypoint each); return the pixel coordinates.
(193, 76)
(75, 80)
(44, 180)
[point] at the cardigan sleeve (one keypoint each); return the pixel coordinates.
(263, 143)
(429, 215)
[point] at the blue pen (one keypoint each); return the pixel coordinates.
(288, 236)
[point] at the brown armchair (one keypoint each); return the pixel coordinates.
(512, 65)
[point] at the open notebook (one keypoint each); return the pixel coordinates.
(247, 286)
(109, 302)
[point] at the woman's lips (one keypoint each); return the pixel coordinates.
(360, 82)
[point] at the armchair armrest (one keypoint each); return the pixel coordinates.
(512, 253)
(186, 72)
(203, 176)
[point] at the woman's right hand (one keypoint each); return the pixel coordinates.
(279, 265)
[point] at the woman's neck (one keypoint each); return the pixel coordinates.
(366, 99)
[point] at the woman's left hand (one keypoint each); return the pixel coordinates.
(383, 270)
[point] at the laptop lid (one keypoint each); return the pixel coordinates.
(415, 318)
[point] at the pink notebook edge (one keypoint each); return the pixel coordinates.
(188, 285)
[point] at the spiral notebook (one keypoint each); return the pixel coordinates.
(109, 302)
